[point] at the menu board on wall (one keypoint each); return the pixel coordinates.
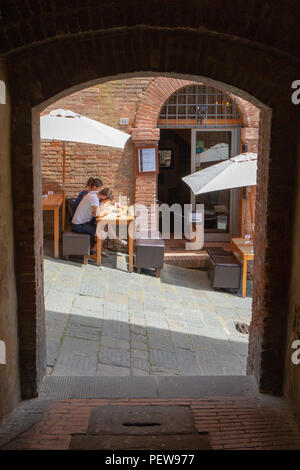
(147, 160)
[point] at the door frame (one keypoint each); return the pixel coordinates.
(234, 193)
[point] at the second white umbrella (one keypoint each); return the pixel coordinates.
(236, 172)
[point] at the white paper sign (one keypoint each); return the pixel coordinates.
(147, 159)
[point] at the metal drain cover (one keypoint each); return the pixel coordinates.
(141, 420)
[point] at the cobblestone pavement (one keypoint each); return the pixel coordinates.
(105, 321)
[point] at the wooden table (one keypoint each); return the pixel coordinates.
(52, 203)
(115, 219)
(244, 247)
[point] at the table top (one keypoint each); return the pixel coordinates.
(122, 216)
(53, 201)
(244, 246)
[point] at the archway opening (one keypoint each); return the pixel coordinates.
(156, 355)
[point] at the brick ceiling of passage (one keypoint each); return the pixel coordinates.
(270, 23)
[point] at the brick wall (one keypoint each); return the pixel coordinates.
(106, 103)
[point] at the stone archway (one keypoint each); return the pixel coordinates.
(53, 69)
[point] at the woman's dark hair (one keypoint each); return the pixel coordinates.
(107, 192)
(98, 183)
(90, 183)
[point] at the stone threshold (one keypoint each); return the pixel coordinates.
(57, 388)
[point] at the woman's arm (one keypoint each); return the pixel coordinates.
(103, 211)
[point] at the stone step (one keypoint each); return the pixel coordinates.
(148, 387)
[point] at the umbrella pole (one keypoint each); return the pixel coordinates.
(240, 211)
(64, 190)
(251, 211)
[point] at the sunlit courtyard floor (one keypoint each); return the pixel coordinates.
(105, 321)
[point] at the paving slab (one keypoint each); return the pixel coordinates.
(73, 365)
(116, 343)
(135, 345)
(52, 348)
(114, 356)
(140, 363)
(161, 358)
(137, 330)
(208, 363)
(116, 329)
(91, 287)
(187, 362)
(181, 340)
(88, 303)
(59, 302)
(140, 354)
(160, 342)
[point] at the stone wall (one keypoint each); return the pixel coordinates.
(9, 373)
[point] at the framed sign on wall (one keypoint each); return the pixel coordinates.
(147, 160)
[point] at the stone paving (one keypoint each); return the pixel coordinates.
(105, 321)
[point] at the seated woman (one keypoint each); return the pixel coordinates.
(93, 184)
(83, 220)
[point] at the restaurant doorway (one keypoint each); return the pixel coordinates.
(208, 122)
(185, 151)
(209, 147)
(174, 164)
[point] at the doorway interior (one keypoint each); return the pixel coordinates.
(185, 151)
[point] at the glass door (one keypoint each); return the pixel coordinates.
(209, 147)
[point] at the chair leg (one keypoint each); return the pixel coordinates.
(157, 272)
(85, 260)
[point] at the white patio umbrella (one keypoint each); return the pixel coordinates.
(235, 172)
(67, 126)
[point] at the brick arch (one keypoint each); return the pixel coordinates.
(146, 132)
(158, 92)
(53, 69)
(153, 99)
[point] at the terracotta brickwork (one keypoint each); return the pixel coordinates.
(106, 103)
(231, 423)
